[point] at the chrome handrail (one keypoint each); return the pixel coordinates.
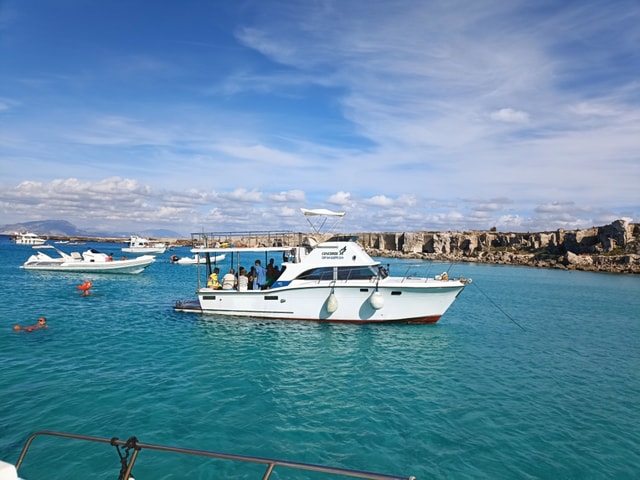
(270, 462)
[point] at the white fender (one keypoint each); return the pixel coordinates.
(8, 471)
(377, 300)
(332, 303)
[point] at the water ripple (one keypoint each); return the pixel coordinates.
(471, 397)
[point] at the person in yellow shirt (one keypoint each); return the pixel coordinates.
(213, 281)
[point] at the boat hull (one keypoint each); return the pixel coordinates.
(145, 250)
(354, 303)
(31, 242)
(194, 260)
(134, 266)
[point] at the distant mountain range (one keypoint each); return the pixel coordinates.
(62, 228)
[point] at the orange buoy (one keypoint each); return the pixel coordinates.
(16, 327)
(85, 286)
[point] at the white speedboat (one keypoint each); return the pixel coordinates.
(144, 245)
(127, 451)
(196, 259)
(331, 281)
(28, 238)
(90, 261)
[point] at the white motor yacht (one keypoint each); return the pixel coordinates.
(334, 280)
(28, 238)
(144, 245)
(90, 261)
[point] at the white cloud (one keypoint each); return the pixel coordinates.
(340, 198)
(295, 196)
(379, 201)
(7, 104)
(242, 195)
(260, 153)
(509, 115)
(554, 207)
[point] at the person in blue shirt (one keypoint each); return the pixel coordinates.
(260, 279)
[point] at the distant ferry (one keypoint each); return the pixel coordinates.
(28, 238)
(144, 245)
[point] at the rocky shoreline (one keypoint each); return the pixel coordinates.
(613, 248)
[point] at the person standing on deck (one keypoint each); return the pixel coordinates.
(251, 276)
(243, 281)
(261, 276)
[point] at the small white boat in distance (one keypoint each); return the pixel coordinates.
(332, 280)
(144, 245)
(194, 260)
(91, 261)
(28, 238)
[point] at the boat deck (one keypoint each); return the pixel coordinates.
(246, 239)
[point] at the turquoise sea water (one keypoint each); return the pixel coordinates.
(472, 397)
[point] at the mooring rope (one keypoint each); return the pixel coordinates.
(499, 308)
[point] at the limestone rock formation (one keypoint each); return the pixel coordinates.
(610, 248)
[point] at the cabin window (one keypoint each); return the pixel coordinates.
(356, 273)
(322, 273)
(343, 273)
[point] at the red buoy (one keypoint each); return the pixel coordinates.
(85, 286)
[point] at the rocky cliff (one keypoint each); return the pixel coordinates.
(611, 248)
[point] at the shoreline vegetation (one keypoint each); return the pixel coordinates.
(613, 248)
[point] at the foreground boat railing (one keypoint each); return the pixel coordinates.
(133, 444)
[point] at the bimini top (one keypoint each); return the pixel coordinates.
(321, 211)
(318, 224)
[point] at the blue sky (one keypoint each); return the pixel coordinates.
(407, 115)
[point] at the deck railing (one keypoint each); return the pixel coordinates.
(270, 238)
(136, 446)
